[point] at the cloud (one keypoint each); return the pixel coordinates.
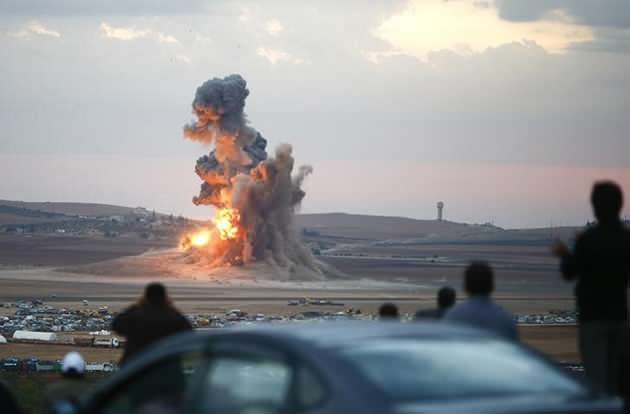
(607, 40)
(39, 29)
(245, 15)
(201, 38)
(162, 38)
(131, 33)
(122, 33)
(464, 27)
(610, 19)
(102, 7)
(601, 13)
(276, 56)
(34, 28)
(379, 57)
(183, 59)
(274, 27)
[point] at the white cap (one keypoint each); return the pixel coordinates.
(73, 361)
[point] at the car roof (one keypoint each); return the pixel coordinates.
(328, 335)
(337, 334)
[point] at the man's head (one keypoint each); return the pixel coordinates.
(446, 297)
(607, 201)
(479, 279)
(388, 311)
(155, 294)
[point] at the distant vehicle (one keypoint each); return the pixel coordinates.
(46, 366)
(10, 364)
(85, 302)
(357, 367)
(106, 342)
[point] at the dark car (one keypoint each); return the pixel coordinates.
(10, 364)
(371, 367)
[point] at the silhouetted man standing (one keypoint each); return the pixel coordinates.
(600, 263)
(148, 321)
(480, 310)
(446, 298)
(388, 312)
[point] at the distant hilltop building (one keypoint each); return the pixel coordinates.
(440, 210)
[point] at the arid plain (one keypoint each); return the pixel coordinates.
(378, 259)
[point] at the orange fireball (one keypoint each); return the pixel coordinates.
(200, 239)
(197, 239)
(226, 222)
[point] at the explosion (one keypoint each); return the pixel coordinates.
(255, 197)
(226, 223)
(200, 238)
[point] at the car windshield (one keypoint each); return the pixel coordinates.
(426, 370)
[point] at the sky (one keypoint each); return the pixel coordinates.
(505, 110)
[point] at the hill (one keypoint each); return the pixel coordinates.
(358, 226)
(340, 227)
(403, 230)
(71, 209)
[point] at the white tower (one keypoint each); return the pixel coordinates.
(440, 210)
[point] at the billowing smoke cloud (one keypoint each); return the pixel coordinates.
(238, 175)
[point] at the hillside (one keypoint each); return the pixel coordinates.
(409, 231)
(71, 209)
(339, 226)
(10, 215)
(385, 227)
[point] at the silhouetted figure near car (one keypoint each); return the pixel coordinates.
(446, 298)
(388, 311)
(600, 265)
(480, 310)
(148, 321)
(8, 404)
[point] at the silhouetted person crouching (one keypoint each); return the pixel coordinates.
(148, 321)
(480, 310)
(600, 264)
(446, 298)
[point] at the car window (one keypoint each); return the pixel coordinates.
(310, 392)
(246, 385)
(413, 370)
(160, 389)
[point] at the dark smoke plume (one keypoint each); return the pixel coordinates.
(237, 174)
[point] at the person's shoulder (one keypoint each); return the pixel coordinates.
(178, 318)
(587, 234)
(427, 314)
(505, 315)
(131, 310)
(500, 309)
(458, 311)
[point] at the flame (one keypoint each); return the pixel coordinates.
(226, 227)
(197, 239)
(226, 222)
(200, 239)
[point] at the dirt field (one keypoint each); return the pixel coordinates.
(54, 352)
(558, 342)
(65, 270)
(62, 250)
